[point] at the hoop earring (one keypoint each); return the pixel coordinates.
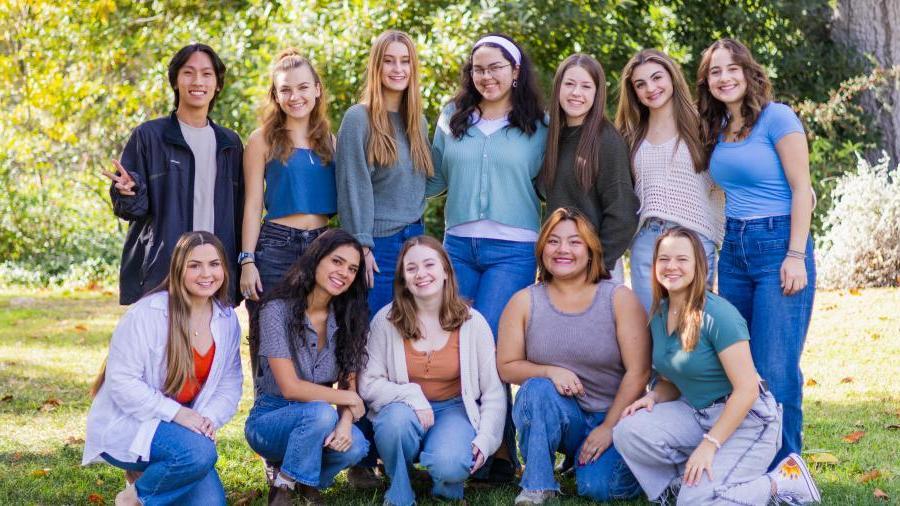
(515, 83)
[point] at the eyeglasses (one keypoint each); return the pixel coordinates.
(490, 71)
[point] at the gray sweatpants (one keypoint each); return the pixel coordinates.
(656, 446)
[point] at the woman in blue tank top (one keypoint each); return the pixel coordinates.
(289, 168)
(577, 343)
(759, 156)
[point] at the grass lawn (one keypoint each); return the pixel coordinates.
(52, 343)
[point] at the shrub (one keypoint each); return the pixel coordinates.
(861, 243)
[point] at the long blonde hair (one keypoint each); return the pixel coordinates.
(403, 314)
(179, 353)
(381, 149)
(274, 120)
(692, 316)
(632, 117)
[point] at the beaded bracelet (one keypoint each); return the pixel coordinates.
(713, 441)
(796, 254)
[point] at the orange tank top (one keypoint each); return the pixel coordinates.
(202, 366)
(437, 372)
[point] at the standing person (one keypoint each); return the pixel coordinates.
(383, 161)
(177, 174)
(313, 330)
(288, 166)
(431, 383)
(577, 344)
(662, 128)
(171, 380)
(586, 165)
(488, 147)
(709, 413)
(759, 156)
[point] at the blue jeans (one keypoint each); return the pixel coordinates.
(749, 277)
(292, 433)
(548, 422)
(386, 251)
(181, 469)
(445, 450)
(642, 258)
(277, 248)
(490, 272)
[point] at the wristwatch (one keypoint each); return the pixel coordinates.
(245, 257)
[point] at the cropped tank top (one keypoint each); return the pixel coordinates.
(303, 185)
(584, 343)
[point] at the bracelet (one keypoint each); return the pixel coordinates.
(796, 254)
(713, 441)
(245, 262)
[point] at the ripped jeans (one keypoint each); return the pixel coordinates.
(656, 445)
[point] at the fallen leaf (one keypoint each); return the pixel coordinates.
(95, 499)
(17, 456)
(854, 437)
(50, 404)
(99, 483)
(874, 474)
(824, 458)
(855, 291)
(107, 293)
(6, 398)
(880, 495)
(848, 379)
(72, 440)
(81, 327)
(41, 472)
(811, 382)
(245, 498)
(893, 426)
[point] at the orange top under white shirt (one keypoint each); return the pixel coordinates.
(202, 366)
(437, 371)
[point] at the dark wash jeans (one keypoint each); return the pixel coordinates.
(749, 278)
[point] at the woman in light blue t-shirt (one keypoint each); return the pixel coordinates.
(759, 156)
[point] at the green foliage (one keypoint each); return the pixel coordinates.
(76, 77)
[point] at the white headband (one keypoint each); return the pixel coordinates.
(504, 43)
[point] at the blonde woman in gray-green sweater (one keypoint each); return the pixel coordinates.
(383, 159)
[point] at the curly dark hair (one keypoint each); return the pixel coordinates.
(527, 106)
(714, 117)
(351, 308)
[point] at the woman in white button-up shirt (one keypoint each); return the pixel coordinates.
(172, 378)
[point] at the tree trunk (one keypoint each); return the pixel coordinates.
(873, 28)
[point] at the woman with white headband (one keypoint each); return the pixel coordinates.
(488, 148)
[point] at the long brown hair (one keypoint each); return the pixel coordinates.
(632, 117)
(713, 113)
(587, 155)
(454, 311)
(692, 315)
(274, 120)
(596, 267)
(179, 353)
(381, 149)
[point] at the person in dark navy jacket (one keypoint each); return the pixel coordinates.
(177, 174)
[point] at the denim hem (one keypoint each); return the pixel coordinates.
(298, 480)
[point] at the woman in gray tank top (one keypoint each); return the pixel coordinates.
(578, 345)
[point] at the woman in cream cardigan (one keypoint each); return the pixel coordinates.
(431, 382)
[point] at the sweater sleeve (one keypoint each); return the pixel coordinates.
(437, 183)
(133, 207)
(492, 404)
(377, 383)
(130, 352)
(616, 198)
(224, 401)
(353, 175)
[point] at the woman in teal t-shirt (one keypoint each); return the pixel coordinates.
(709, 412)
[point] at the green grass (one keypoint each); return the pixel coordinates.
(52, 343)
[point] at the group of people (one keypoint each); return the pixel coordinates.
(373, 341)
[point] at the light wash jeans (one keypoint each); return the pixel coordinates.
(290, 434)
(548, 422)
(445, 450)
(181, 469)
(642, 258)
(657, 444)
(750, 279)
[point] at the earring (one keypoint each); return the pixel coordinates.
(515, 83)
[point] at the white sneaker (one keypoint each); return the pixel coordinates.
(793, 482)
(528, 497)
